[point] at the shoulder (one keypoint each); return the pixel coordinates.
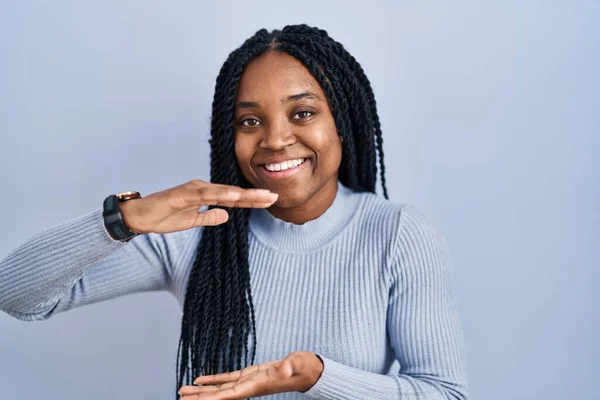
(411, 231)
(383, 215)
(407, 217)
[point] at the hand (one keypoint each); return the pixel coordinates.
(298, 372)
(176, 209)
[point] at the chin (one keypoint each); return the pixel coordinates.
(292, 198)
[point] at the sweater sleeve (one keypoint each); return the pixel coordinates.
(76, 263)
(423, 326)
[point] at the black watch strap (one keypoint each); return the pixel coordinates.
(113, 220)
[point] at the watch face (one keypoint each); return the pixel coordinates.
(128, 196)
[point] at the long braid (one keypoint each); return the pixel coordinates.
(354, 92)
(358, 90)
(218, 313)
(365, 84)
(349, 178)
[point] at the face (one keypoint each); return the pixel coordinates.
(285, 136)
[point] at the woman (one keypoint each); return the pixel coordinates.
(296, 270)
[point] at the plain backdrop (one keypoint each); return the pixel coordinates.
(490, 114)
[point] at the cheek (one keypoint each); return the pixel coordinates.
(238, 149)
(243, 153)
(335, 153)
(242, 146)
(329, 148)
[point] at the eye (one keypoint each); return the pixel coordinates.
(250, 122)
(303, 114)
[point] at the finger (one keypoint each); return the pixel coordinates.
(219, 378)
(214, 388)
(229, 197)
(253, 204)
(246, 204)
(233, 376)
(192, 390)
(241, 390)
(209, 195)
(247, 199)
(270, 378)
(213, 217)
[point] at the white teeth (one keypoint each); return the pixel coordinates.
(284, 165)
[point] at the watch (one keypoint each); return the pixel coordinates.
(113, 218)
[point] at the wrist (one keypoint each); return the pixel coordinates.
(320, 366)
(312, 370)
(129, 216)
(114, 218)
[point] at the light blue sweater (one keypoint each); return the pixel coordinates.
(368, 286)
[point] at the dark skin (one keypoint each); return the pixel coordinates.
(281, 115)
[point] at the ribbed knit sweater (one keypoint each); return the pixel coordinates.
(368, 286)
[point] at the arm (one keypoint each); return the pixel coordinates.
(423, 325)
(76, 263)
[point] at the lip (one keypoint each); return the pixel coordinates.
(277, 160)
(282, 174)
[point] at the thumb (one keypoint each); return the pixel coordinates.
(213, 217)
(284, 368)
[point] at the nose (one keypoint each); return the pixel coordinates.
(277, 136)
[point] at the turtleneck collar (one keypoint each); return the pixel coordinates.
(313, 234)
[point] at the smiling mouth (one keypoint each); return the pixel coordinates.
(284, 165)
(284, 169)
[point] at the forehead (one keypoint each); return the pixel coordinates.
(275, 75)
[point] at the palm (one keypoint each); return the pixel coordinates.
(257, 380)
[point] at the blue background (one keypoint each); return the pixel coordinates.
(490, 113)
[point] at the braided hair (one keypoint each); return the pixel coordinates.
(218, 313)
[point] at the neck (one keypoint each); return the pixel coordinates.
(287, 236)
(311, 209)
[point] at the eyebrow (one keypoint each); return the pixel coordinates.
(294, 97)
(247, 104)
(303, 95)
